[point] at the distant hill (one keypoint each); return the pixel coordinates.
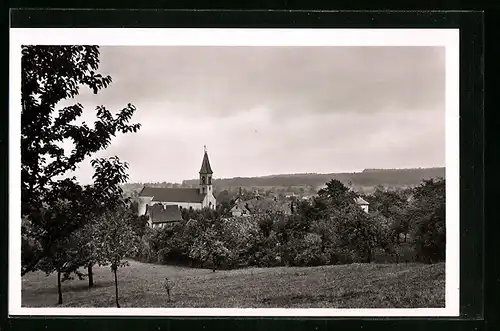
(364, 181)
(366, 178)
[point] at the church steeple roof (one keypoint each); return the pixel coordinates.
(205, 165)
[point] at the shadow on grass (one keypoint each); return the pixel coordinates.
(85, 287)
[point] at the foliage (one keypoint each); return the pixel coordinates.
(115, 241)
(50, 75)
(310, 251)
(330, 229)
(428, 215)
(207, 247)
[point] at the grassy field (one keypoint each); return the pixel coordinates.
(344, 286)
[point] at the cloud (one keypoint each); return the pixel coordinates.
(263, 110)
(227, 80)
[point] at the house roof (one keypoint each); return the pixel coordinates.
(164, 194)
(361, 201)
(205, 165)
(266, 205)
(235, 207)
(160, 214)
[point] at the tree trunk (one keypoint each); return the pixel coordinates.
(59, 302)
(368, 256)
(213, 264)
(116, 287)
(91, 275)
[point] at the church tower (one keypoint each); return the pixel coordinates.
(206, 176)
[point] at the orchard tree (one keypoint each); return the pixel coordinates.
(207, 247)
(51, 75)
(105, 195)
(116, 241)
(63, 255)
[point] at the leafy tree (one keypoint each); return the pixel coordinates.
(138, 222)
(338, 195)
(103, 196)
(428, 220)
(356, 231)
(265, 223)
(51, 74)
(310, 251)
(116, 241)
(63, 255)
(326, 231)
(208, 247)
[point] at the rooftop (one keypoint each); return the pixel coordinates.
(160, 214)
(164, 194)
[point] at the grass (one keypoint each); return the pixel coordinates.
(343, 286)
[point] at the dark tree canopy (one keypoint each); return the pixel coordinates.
(51, 74)
(339, 195)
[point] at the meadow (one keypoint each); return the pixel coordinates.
(342, 286)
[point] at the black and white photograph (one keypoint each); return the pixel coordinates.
(229, 172)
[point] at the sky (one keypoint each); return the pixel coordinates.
(272, 110)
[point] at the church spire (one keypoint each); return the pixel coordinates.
(205, 165)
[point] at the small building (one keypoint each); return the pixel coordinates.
(362, 203)
(307, 196)
(261, 205)
(239, 210)
(160, 215)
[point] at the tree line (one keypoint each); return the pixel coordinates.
(402, 226)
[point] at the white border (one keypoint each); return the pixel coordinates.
(448, 38)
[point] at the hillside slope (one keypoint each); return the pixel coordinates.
(369, 177)
(343, 286)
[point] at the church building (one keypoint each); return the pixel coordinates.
(178, 198)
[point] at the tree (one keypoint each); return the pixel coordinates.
(51, 74)
(356, 231)
(138, 222)
(63, 254)
(117, 241)
(208, 247)
(338, 195)
(428, 220)
(105, 195)
(310, 251)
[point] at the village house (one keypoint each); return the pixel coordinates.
(178, 198)
(362, 203)
(239, 210)
(160, 215)
(260, 205)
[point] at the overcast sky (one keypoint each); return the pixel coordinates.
(273, 110)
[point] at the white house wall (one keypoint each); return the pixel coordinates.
(184, 205)
(143, 201)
